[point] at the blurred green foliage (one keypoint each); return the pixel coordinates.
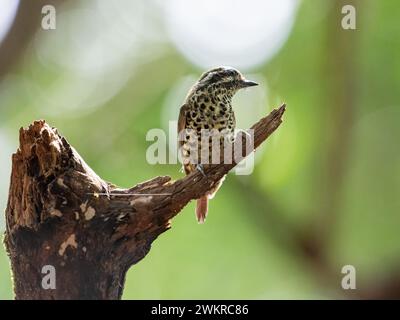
(341, 88)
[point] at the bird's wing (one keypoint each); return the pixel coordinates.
(182, 121)
(182, 126)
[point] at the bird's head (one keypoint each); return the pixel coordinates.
(224, 78)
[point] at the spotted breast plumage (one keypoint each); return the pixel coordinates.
(208, 109)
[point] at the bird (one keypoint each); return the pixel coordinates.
(208, 108)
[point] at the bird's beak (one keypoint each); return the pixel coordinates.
(247, 83)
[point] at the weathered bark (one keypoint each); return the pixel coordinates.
(60, 213)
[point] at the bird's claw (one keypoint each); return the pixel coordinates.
(200, 167)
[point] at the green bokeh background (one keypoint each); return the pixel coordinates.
(323, 194)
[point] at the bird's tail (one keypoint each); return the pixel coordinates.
(202, 203)
(202, 208)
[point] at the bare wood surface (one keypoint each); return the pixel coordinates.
(61, 213)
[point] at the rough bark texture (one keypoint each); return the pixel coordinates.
(63, 214)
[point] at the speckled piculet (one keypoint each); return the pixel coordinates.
(208, 106)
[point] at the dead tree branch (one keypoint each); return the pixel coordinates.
(61, 213)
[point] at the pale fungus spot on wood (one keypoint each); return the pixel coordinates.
(90, 213)
(56, 212)
(83, 207)
(76, 215)
(69, 242)
(60, 182)
(84, 249)
(152, 185)
(56, 145)
(121, 216)
(141, 201)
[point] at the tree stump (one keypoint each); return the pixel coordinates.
(62, 215)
